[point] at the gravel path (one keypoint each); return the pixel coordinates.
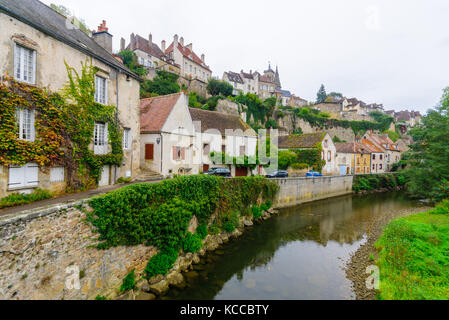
(360, 260)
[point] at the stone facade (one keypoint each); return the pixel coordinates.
(51, 73)
(40, 256)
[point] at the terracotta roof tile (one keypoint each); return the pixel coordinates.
(186, 52)
(155, 111)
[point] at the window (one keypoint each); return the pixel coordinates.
(190, 68)
(26, 176)
(380, 166)
(101, 90)
(206, 149)
(329, 156)
(381, 157)
(374, 157)
(24, 64)
(57, 174)
(326, 143)
(127, 139)
(101, 138)
(179, 153)
(25, 121)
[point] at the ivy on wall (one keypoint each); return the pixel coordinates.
(64, 126)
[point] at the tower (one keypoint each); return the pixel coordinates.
(277, 79)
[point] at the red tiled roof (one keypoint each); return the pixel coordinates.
(371, 146)
(155, 111)
(189, 54)
(265, 79)
(138, 42)
(384, 140)
(354, 147)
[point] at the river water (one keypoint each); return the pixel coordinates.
(298, 255)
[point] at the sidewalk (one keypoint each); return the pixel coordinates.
(67, 198)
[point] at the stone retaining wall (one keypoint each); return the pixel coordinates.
(294, 191)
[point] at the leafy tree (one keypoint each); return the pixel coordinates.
(286, 159)
(80, 23)
(428, 164)
(164, 83)
(217, 87)
(384, 120)
(321, 95)
(335, 95)
(131, 62)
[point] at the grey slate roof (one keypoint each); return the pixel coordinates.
(45, 19)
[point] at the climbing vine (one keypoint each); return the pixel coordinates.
(64, 127)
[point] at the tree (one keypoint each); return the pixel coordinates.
(164, 83)
(80, 23)
(321, 95)
(428, 170)
(131, 62)
(217, 87)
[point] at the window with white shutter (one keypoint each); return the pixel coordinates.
(127, 139)
(26, 176)
(57, 174)
(101, 90)
(24, 64)
(25, 122)
(101, 138)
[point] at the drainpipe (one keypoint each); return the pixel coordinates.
(116, 116)
(162, 153)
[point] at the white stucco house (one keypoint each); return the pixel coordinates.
(167, 136)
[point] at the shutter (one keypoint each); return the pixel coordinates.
(149, 152)
(32, 136)
(16, 177)
(33, 74)
(183, 153)
(105, 91)
(31, 175)
(16, 61)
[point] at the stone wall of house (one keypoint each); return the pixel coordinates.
(294, 191)
(43, 254)
(194, 85)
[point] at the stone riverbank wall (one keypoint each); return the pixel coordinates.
(49, 254)
(294, 191)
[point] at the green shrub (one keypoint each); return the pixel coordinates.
(257, 212)
(214, 230)
(229, 226)
(299, 166)
(201, 231)
(99, 297)
(192, 243)
(17, 199)
(129, 282)
(161, 263)
(378, 181)
(266, 206)
(123, 180)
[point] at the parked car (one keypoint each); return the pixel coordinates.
(222, 172)
(278, 174)
(313, 174)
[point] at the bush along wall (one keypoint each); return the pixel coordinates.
(381, 182)
(159, 214)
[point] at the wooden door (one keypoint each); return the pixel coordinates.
(149, 151)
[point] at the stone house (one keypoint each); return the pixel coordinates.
(242, 82)
(167, 135)
(391, 150)
(150, 55)
(297, 102)
(353, 158)
(194, 70)
(219, 132)
(377, 157)
(35, 41)
(313, 141)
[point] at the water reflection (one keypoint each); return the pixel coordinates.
(297, 255)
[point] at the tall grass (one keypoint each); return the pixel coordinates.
(17, 199)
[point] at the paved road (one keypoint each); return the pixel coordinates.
(65, 199)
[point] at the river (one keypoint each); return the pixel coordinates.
(300, 254)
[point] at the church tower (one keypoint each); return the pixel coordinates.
(277, 79)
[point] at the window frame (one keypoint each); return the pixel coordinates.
(19, 59)
(101, 145)
(21, 115)
(97, 93)
(127, 141)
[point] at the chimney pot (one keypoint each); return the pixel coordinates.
(122, 44)
(203, 57)
(150, 38)
(103, 38)
(163, 46)
(181, 41)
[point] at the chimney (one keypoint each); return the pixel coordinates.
(122, 44)
(190, 47)
(251, 72)
(103, 37)
(203, 57)
(163, 46)
(175, 41)
(150, 39)
(181, 41)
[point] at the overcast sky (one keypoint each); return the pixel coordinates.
(390, 52)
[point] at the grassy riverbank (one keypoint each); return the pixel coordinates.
(414, 257)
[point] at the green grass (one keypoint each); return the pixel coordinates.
(414, 257)
(17, 199)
